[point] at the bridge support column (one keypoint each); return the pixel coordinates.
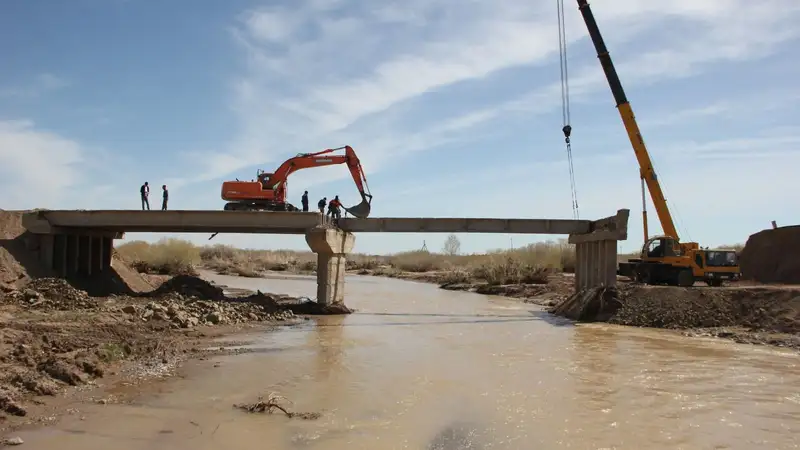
(596, 252)
(331, 247)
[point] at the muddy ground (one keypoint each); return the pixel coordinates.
(745, 314)
(56, 340)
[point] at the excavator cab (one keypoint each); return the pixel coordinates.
(263, 178)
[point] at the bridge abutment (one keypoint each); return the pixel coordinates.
(331, 246)
(596, 251)
(73, 255)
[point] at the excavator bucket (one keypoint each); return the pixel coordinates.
(362, 209)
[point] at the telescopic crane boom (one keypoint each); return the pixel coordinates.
(664, 258)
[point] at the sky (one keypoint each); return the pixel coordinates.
(453, 106)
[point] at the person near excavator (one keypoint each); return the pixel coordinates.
(164, 197)
(304, 200)
(321, 205)
(144, 191)
(334, 208)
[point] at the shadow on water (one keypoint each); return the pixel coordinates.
(551, 319)
(456, 436)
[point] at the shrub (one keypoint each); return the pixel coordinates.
(510, 270)
(168, 256)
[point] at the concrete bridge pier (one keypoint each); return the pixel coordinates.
(331, 247)
(596, 251)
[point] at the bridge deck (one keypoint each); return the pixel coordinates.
(56, 221)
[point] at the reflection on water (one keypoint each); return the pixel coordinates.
(422, 368)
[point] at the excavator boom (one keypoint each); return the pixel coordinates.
(647, 172)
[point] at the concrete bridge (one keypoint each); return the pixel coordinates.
(81, 242)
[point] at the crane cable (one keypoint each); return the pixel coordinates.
(567, 128)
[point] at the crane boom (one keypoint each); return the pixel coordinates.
(647, 172)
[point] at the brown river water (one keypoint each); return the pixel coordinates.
(422, 368)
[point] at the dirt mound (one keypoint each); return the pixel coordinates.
(757, 309)
(770, 256)
(49, 293)
(131, 278)
(190, 286)
(17, 263)
(183, 312)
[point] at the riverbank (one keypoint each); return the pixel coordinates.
(57, 342)
(764, 315)
(549, 289)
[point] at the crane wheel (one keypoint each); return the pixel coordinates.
(685, 278)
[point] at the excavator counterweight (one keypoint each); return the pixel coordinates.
(268, 191)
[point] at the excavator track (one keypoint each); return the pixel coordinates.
(255, 206)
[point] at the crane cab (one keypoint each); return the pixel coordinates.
(664, 260)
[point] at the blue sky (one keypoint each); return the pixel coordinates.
(453, 107)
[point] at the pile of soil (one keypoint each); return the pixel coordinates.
(188, 312)
(757, 310)
(50, 293)
(190, 286)
(66, 338)
(17, 264)
(770, 256)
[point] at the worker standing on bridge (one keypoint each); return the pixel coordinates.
(304, 200)
(145, 193)
(333, 208)
(165, 197)
(321, 205)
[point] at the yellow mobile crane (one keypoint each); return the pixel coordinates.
(664, 259)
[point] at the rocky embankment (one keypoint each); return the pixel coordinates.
(756, 315)
(54, 337)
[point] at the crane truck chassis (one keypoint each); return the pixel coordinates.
(664, 259)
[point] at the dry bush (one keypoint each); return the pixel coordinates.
(550, 255)
(456, 276)
(218, 252)
(168, 256)
(252, 263)
(510, 270)
(358, 261)
(418, 261)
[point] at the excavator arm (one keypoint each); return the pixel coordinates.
(647, 172)
(326, 158)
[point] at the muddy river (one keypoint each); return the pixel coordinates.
(422, 368)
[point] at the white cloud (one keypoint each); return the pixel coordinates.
(38, 85)
(36, 165)
(322, 68)
(273, 26)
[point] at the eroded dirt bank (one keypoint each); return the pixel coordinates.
(54, 337)
(757, 315)
(556, 288)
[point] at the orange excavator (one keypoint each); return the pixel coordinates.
(268, 191)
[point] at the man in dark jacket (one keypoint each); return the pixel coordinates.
(321, 205)
(304, 200)
(144, 191)
(165, 198)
